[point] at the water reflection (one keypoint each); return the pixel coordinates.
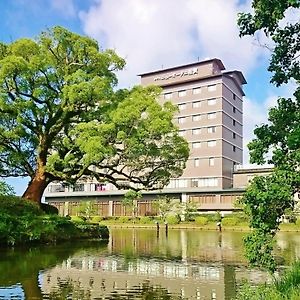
(137, 264)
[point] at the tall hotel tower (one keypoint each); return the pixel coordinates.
(210, 118)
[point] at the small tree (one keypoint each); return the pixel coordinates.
(188, 210)
(86, 209)
(130, 201)
(165, 206)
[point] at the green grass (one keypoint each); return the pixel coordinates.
(286, 287)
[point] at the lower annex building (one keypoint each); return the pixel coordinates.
(210, 118)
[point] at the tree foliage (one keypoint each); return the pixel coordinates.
(166, 205)
(267, 16)
(130, 201)
(278, 141)
(6, 189)
(61, 117)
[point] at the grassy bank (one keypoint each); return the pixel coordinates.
(286, 287)
(192, 225)
(232, 222)
(23, 222)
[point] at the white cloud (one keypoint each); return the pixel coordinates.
(152, 34)
(149, 34)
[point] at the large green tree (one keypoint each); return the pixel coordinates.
(278, 141)
(61, 118)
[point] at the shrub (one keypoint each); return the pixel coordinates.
(230, 221)
(173, 219)
(123, 219)
(298, 222)
(77, 219)
(146, 220)
(201, 220)
(17, 206)
(96, 219)
(240, 216)
(93, 231)
(22, 222)
(49, 209)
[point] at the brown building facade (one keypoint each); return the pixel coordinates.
(210, 118)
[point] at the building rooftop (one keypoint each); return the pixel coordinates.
(216, 60)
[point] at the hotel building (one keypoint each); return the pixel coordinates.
(210, 118)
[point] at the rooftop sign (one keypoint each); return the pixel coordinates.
(189, 72)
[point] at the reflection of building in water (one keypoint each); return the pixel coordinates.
(109, 274)
(117, 274)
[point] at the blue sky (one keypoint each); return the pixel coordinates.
(149, 34)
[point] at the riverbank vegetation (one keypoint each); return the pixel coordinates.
(24, 222)
(235, 221)
(286, 287)
(277, 142)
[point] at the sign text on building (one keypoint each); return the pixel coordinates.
(189, 72)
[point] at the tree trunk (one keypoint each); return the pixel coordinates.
(36, 188)
(31, 288)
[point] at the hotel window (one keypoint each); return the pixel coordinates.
(194, 182)
(211, 129)
(181, 93)
(78, 187)
(182, 106)
(181, 120)
(177, 183)
(196, 162)
(233, 148)
(196, 131)
(211, 116)
(233, 109)
(211, 101)
(196, 104)
(233, 135)
(208, 181)
(196, 145)
(181, 132)
(211, 87)
(211, 161)
(196, 118)
(211, 143)
(196, 91)
(233, 122)
(168, 96)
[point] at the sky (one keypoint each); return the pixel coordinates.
(155, 34)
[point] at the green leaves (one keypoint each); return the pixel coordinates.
(61, 117)
(6, 189)
(277, 142)
(267, 16)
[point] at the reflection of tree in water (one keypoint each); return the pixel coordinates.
(22, 265)
(69, 289)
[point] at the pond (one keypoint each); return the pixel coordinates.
(137, 264)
